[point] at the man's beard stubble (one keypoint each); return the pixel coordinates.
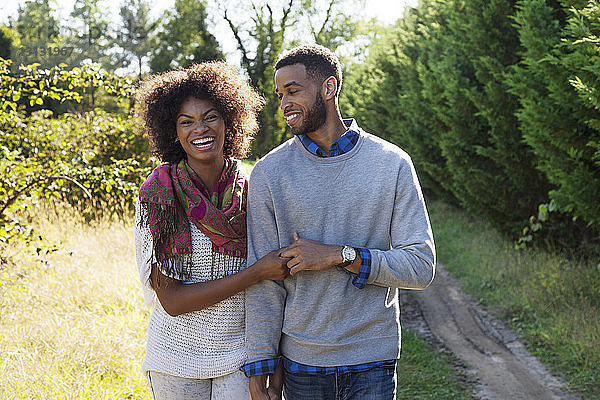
(314, 119)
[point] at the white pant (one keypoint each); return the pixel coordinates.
(169, 387)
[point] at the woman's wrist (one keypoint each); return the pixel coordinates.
(252, 274)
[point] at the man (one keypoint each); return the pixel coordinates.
(348, 208)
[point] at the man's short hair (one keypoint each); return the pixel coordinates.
(319, 61)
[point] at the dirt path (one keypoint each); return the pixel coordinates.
(504, 369)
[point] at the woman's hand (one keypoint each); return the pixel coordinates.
(271, 267)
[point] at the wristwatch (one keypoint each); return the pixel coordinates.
(348, 256)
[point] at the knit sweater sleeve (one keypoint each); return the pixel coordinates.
(265, 301)
(410, 263)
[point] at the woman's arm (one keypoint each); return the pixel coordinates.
(179, 298)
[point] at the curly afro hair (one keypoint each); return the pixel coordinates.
(160, 97)
(319, 61)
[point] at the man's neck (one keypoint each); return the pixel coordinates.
(328, 133)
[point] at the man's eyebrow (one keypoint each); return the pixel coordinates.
(292, 83)
(288, 84)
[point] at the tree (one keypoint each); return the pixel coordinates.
(92, 41)
(134, 36)
(494, 172)
(439, 89)
(37, 30)
(332, 26)
(183, 38)
(267, 35)
(557, 83)
(385, 93)
(7, 38)
(36, 22)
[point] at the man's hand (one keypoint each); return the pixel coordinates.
(258, 387)
(308, 254)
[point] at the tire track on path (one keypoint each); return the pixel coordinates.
(502, 366)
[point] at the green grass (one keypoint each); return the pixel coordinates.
(552, 301)
(73, 324)
(423, 373)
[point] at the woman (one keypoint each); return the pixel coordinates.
(190, 233)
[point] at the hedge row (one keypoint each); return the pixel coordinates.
(498, 103)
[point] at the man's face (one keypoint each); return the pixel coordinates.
(301, 100)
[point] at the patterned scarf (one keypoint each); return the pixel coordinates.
(175, 195)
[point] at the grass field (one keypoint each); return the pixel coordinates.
(552, 301)
(73, 324)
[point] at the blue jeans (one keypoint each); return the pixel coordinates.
(378, 383)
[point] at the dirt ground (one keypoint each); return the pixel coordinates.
(499, 364)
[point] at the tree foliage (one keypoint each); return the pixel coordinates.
(497, 102)
(90, 36)
(135, 36)
(558, 81)
(36, 22)
(183, 38)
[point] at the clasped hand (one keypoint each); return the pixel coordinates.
(306, 254)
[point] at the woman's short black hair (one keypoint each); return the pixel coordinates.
(160, 97)
(319, 61)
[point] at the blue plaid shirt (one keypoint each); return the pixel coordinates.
(342, 145)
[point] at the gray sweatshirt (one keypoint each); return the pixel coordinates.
(368, 197)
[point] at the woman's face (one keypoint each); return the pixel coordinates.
(200, 130)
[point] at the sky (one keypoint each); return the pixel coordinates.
(386, 11)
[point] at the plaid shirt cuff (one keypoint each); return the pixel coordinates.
(360, 280)
(260, 367)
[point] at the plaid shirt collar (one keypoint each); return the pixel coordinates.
(342, 145)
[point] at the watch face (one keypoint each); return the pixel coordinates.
(348, 253)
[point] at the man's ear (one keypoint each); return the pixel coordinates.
(330, 87)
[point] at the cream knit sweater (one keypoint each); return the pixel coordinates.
(201, 344)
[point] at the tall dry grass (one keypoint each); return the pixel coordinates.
(72, 322)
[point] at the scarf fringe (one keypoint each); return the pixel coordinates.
(179, 267)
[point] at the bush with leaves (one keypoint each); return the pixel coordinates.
(94, 161)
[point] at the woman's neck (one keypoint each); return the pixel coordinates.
(209, 172)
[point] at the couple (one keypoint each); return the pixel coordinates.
(301, 293)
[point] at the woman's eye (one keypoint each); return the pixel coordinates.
(185, 122)
(211, 117)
